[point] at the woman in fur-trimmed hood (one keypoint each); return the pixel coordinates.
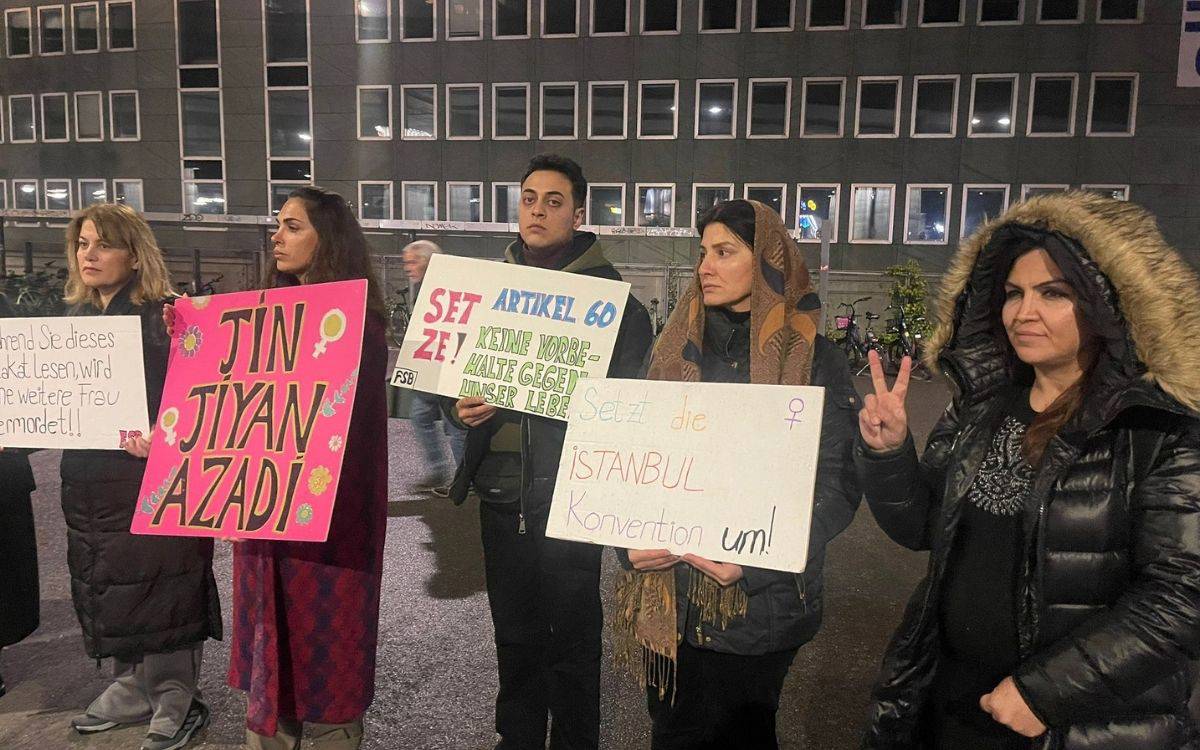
(1059, 494)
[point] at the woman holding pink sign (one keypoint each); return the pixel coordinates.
(148, 602)
(712, 641)
(307, 614)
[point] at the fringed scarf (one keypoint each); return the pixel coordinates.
(784, 310)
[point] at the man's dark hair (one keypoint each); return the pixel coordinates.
(564, 166)
(738, 215)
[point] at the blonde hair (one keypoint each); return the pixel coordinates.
(119, 226)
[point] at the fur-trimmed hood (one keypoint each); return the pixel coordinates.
(1142, 293)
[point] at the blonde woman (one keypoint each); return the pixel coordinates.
(147, 602)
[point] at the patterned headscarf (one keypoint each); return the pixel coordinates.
(784, 311)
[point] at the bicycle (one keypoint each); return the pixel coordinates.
(398, 316)
(906, 342)
(857, 341)
(203, 290)
(38, 293)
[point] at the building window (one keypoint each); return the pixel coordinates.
(1112, 105)
(658, 109)
(770, 108)
(201, 124)
(610, 17)
(418, 112)
(464, 19)
(375, 200)
(716, 109)
(464, 201)
(1119, 11)
(981, 204)
(3, 195)
(418, 20)
(828, 14)
(511, 19)
(558, 110)
(993, 100)
(941, 12)
(660, 16)
(935, 107)
(3, 116)
(52, 38)
(884, 14)
(122, 26)
(774, 196)
(707, 195)
(1060, 11)
(655, 205)
(606, 109)
(57, 195)
(130, 193)
(878, 107)
(506, 202)
(510, 111)
(606, 205)
(720, 15)
(197, 21)
(372, 21)
(1052, 104)
(20, 37)
(927, 213)
(204, 196)
(290, 136)
(822, 108)
(419, 201)
(816, 206)
(871, 214)
(464, 112)
(54, 118)
(22, 127)
(92, 191)
(89, 116)
(287, 31)
(1032, 191)
(1116, 192)
(772, 15)
(25, 195)
(374, 113)
(1000, 11)
(560, 17)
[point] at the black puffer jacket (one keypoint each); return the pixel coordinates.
(784, 609)
(1108, 596)
(133, 594)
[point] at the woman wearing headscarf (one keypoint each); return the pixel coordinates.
(712, 641)
(1059, 494)
(18, 546)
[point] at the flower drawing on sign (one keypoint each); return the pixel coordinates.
(328, 406)
(335, 443)
(304, 514)
(333, 325)
(319, 480)
(168, 421)
(201, 302)
(191, 340)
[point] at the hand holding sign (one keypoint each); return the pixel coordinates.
(473, 411)
(883, 420)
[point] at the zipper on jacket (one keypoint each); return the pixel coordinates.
(524, 456)
(803, 591)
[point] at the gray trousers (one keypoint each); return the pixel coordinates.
(160, 688)
(323, 736)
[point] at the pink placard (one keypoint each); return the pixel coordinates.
(248, 441)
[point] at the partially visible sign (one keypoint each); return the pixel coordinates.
(1189, 45)
(74, 382)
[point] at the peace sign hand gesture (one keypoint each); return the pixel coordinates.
(883, 420)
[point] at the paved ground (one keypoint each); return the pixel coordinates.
(436, 675)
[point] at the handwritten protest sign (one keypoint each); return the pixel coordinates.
(71, 382)
(520, 337)
(248, 441)
(720, 470)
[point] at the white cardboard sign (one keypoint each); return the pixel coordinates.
(521, 337)
(721, 470)
(73, 382)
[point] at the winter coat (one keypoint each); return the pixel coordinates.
(1108, 592)
(134, 595)
(783, 609)
(18, 546)
(306, 614)
(513, 457)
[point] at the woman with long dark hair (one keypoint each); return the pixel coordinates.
(307, 614)
(713, 641)
(149, 602)
(1059, 494)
